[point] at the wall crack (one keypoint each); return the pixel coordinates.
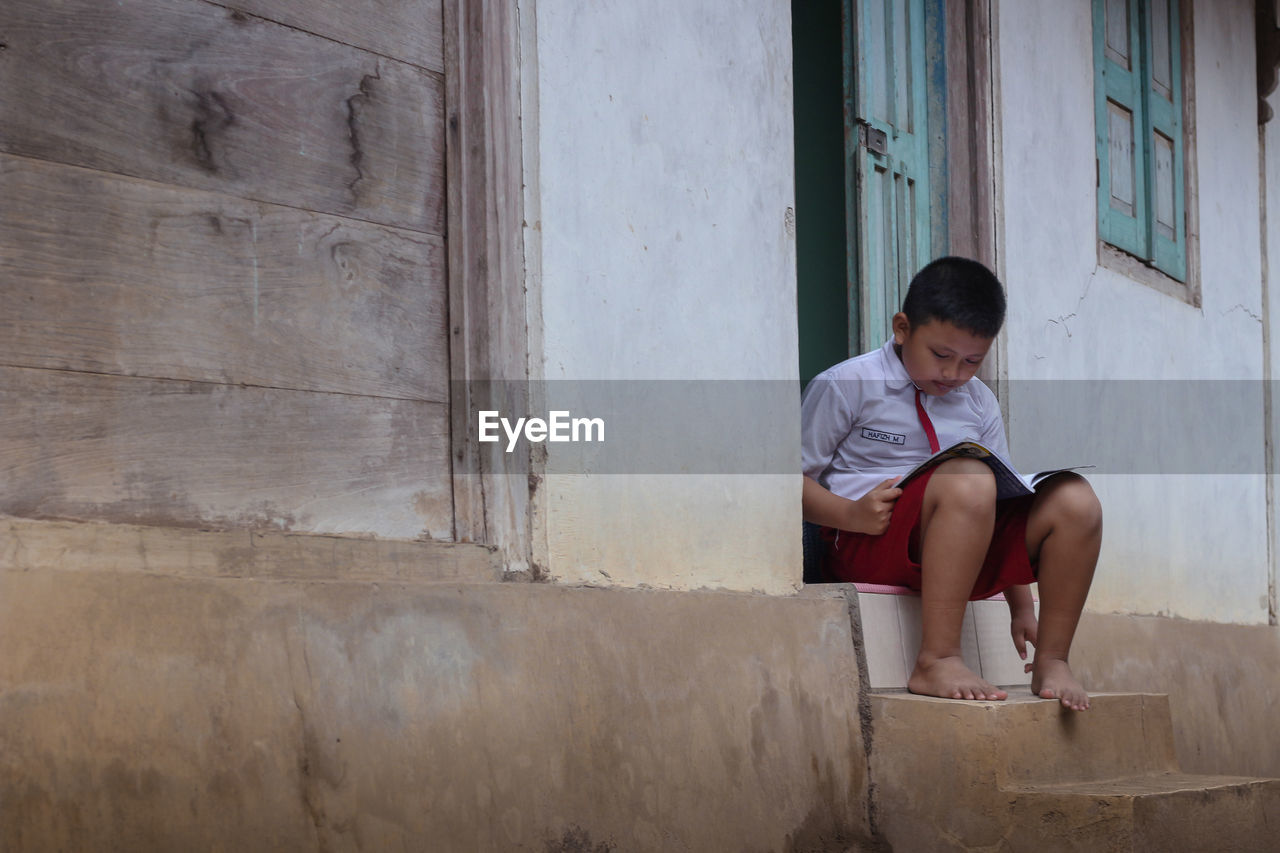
(1240, 306)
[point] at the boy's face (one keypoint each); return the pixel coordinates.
(937, 355)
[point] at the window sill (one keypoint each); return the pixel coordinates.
(1127, 265)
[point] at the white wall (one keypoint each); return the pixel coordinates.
(1189, 544)
(662, 247)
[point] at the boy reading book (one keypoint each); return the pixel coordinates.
(869, 420)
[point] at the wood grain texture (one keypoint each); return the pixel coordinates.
(971, 217)
(74, 546)
(410, 30)
(114, 275)
(196, 95)
(166, 453)
(489, 328)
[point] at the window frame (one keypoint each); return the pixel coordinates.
(1133, 245)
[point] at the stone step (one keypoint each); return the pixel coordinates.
(1024, 774)
(1027, 740)
(1152, 812)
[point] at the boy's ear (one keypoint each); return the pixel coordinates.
(901, 328)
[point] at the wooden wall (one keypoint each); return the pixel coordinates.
(222, 264)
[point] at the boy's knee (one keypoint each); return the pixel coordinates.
(1076, 503)
(967, 483)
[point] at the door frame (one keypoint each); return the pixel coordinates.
(488, 317)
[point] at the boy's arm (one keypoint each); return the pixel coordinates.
(1022, 617)
(828, 413)
(868, 514)
(993, 433)
(1019, 599)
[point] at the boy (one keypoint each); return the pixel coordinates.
(868, 420)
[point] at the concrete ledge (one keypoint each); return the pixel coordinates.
(152, 712)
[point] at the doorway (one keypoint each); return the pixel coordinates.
(891, 128)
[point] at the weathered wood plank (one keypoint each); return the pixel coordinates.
(166, 453)
(48, 546)
(404, 29)
(488, 320)
(196, 95)
(971, 220)
(114, 275)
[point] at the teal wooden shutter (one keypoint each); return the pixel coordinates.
(890, 161)
(1167, 223)
(1122, 191)
(1138, 120)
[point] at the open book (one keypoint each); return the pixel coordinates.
(1009, 483)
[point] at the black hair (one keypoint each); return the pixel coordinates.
(958, 291)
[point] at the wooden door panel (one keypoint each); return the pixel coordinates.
(890, 158)
(203, 97)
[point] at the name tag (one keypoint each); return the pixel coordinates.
(877, 435)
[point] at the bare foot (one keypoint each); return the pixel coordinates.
(949, 678)
(1052, 679)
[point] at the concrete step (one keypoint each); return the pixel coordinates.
(1153, 812)
(1026, 775)
(1027, 740)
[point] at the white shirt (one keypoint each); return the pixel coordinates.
(859, 424)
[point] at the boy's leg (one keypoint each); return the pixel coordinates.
(956, 522)
(1064, 533)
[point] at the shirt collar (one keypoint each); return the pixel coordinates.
(895, 372)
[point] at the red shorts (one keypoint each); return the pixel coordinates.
(887, 558)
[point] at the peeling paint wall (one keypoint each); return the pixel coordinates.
(1187, 543)
(665, 237)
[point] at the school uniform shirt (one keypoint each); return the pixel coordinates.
(859, 424)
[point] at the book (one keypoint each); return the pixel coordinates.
(1009, 483)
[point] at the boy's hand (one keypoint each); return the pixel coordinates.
(871, 511)
(1023, 626)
